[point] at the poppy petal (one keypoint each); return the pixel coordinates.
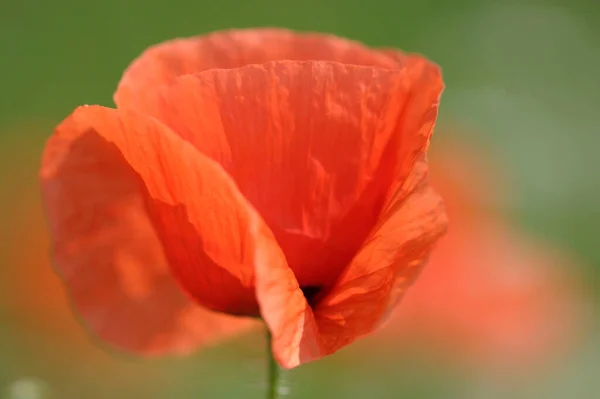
(294, 334)
(164, 321)
(386, 265)
(409, 226)
(162, 64)
(124, 196)
(304, 142)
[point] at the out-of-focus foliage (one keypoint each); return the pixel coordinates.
(521, 82)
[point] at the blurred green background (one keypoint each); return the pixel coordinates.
(521, 76)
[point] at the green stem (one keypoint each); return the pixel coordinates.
(274, 372)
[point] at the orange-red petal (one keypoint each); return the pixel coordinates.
(410, 224)
(305, 142)
(162, 64)
(128, 204)
(385, 266)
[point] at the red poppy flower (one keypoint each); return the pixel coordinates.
(273, 174)
(489, 296)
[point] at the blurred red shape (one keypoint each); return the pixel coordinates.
(490, 294)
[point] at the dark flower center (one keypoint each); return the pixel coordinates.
(310, 293)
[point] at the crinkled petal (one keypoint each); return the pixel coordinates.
(386, 265)
(305, 143)
(162, 64)
(411, 222)
(130, 205)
